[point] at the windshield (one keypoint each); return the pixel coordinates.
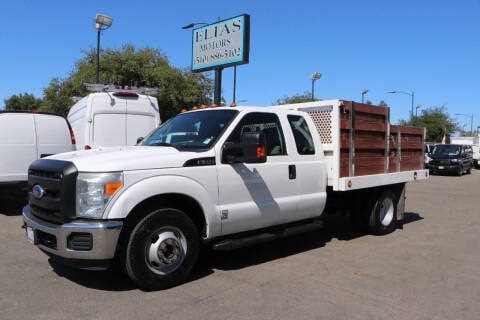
(192, 130)
(446, 150)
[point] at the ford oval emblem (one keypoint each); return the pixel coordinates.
(38, 192)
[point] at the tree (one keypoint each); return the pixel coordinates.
(298, 98)
(25, 101)
(57, 97)
(128, 67)
(383, 103)
(437, 122)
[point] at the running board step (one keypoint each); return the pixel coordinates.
(239, 242)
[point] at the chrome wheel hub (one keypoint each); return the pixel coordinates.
(166, 250)
(386, 211)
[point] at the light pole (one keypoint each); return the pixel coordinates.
(471, 119)
(411, 94)
(416, 110)
(102, 22)
(315, 76)
(364, 92)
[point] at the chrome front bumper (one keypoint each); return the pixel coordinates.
(53, 239)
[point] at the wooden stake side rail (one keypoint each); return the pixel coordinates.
(369, 145)
(361, 148)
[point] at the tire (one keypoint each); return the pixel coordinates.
(460, 171)
(383, 215)
(162, 250)
(469, 170)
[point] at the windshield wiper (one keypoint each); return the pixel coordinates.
(163, 144)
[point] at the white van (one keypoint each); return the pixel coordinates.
(472, 141)
(108, 119)
(27, 136)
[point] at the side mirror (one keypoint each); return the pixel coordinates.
(251, 149)
(139, 139)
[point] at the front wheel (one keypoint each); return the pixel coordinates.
(383, 215)
(469, 170)
(162, 250)
(460, 171)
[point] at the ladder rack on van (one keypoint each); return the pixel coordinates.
(99, 87)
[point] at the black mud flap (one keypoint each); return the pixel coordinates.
(401, 207)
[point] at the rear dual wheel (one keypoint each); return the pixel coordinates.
(375, 213)
(383, 215)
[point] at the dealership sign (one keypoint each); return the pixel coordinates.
(221, 44)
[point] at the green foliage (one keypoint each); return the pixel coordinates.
(57, 97)
(437, 122)
(383, 103)
(128, 67)
(298, 98)
(25, 101)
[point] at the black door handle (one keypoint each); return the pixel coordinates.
(292, 172)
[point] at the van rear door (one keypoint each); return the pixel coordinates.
(108, 120)
(142, 117)
(17, 145)
(53, 135)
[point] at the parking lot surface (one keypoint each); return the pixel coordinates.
(430, 269)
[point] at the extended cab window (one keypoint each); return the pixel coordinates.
(301, 133)
(266, 122)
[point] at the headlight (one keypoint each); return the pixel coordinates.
(454, 160)
(93, 192)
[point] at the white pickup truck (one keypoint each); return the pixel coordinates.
(224, 177)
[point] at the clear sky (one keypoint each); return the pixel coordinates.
(430, 47)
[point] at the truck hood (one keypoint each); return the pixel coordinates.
(127, 158)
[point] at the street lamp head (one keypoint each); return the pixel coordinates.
(392, 91)
(188, 26)
(364, 91)
(193, 24)
(102, 21)
(316, 75)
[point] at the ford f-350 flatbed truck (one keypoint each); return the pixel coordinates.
(223, 177)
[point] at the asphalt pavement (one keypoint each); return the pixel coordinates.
(430, 269)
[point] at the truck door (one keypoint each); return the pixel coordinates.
(311, 169)
(253, 196)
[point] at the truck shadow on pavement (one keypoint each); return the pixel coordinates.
(12, 205)
(108, 280)
(336, 227)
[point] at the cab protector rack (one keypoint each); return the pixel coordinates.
(99, 87)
